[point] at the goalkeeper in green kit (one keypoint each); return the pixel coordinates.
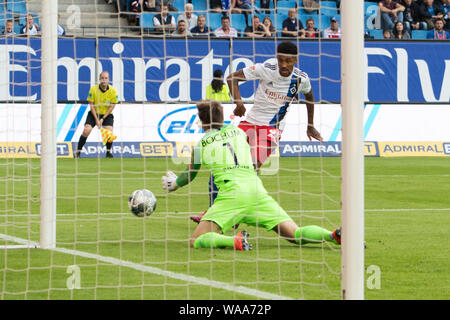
(242, 197)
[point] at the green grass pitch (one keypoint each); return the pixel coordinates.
(406, 231)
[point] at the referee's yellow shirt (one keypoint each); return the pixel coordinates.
(102, 99)
(223, 95)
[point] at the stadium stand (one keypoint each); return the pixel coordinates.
(376, 33)
(16, 6)
(419, 34)
(328, 8)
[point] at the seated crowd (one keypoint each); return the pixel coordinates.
(30, 28)
(398, 18)
(259, 20)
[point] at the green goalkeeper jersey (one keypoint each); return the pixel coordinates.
(226, 153)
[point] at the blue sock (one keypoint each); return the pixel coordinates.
(212, 190)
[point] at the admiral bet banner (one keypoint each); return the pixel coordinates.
(170, 130)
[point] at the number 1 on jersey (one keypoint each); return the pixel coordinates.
(236, 162)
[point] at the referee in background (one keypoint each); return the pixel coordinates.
(102, 100)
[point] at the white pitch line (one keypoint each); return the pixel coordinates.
(62, 215)
(157, 271)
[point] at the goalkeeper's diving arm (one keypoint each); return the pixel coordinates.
(171, 182)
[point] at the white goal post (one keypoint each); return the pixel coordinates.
(352, 101)
(48, 124)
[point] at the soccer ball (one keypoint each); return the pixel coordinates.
(142, 203)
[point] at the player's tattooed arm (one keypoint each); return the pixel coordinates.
(311, 132)
(233, 84)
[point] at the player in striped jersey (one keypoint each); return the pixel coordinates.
(280, 82)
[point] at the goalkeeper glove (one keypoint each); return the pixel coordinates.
(169, 181)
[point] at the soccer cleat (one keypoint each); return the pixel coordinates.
(77, 154)
(109, 155)
(198, 218)
(241, 241)
(337, 235)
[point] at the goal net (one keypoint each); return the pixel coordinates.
(104, 251)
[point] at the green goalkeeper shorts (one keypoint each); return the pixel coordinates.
(245, 202)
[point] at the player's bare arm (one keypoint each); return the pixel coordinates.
(311, 132)
(233, 84)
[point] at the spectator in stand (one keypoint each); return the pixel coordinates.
(311, 31)
(164, 22)
(293, 27)
(438, 33)
(387, 34)
(120, 5)
(265, 4)
(141, 5)
(311, 6)
(31, 28)
(218, 90)
(429, 12)
(201, 30)
(391, 12)
(246, 7)
(399, 32)
(243, 6)
(169, 3)
(9, 28)
(225, 31)
(188, 16)
(411, 15)
(446, 9)
(216, 6)
(257, 29)
(182, 30)
(269, 24)
(333, 32)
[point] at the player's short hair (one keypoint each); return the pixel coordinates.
(225, 18)
(287, 47)
(211, 113)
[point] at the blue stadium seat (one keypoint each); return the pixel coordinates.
(286, 4)
(200, 5)
(4, 16)
(18, 28)
(19, 6)
(146, 20)
(213, 20)
(179, 4)
(238, 22)
(370, 7)
(419, 34)
(376, 33)
(328, 8)
(2, 6)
